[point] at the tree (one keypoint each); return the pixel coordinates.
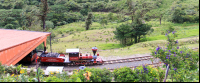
(86, 8)
(134, 30)
(88, 21)
(43, 12)
(139, 27)
(9, 26)
(58, 9)
(29, 18)
(49, 24)
(19, 4)
(84, 12)
(104, 22)
(123, 33)
(177, 16)
(131, 7)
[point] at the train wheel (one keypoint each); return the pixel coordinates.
(76, 63)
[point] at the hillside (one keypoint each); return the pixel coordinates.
(66, 21)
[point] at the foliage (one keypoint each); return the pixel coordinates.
(88, 21)
(72, 5)
(53, 79)
(179, 59)
(123, 32)
(9, 26)
(97, 75)
(184, 13)
(2, 68)
(124, 74)
(49, 24)
(43, 13)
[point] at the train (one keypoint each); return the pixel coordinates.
(72, 57)
(30, 57)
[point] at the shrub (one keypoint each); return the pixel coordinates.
(53, 79)
(9, 26)
(124, 74)
(49, 24)
(97, 75)
(2, 69)
(180, 60)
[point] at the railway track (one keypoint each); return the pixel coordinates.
(127, 60)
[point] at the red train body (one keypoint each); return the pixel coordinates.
(73, 56)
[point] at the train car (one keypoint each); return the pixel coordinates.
(30, 57)
(73, 57)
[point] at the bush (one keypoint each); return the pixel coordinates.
(72, 5)
(53, 79)
(49, 24)
(124, 74)
(84, 12)
(180, 60)
(9, 26)
(2, 68)
(97, 75)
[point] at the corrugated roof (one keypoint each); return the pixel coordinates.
(10, 38)
(72, 50)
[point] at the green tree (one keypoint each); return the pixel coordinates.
(43, 12)
(104, 22)
(72, 5)
(139, 27)
(123, 33)
(9, 26)
(58, 9)
(177, 16)
(49, 24)
(19, 4)
(84, 12)
(88, 21)
(29, 17)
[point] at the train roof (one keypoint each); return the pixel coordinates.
(72, 50)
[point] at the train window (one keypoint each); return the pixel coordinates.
(73, 54)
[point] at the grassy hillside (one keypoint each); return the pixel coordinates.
(74, 35)
(107, 45)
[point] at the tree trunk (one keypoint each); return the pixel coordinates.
(135, 39)
(44, 25)
(131, 40)
(125, 41)
(139, 39)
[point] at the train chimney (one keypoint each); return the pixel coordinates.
(94, 50)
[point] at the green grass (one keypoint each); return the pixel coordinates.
(103, 38)
(181, 34)
(110, 46)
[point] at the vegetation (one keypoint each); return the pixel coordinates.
(118, 28)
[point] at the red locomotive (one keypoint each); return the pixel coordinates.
(73, 57)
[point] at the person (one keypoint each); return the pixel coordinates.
(94, 49)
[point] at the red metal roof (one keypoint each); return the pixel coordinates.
(10, 38)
